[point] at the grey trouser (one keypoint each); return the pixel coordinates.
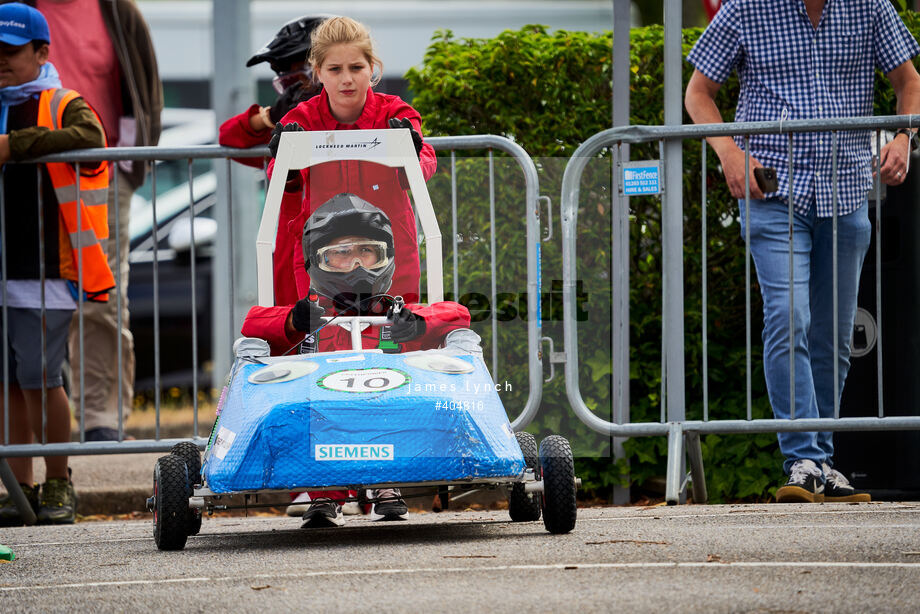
(25, 347)
(100, 331)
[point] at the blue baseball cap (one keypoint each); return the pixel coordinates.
(20, 24)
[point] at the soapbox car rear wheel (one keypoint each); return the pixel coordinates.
(190, 453)
(523, 506)
(171, 491)
(558, 467)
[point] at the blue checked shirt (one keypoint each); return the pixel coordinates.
(789, 69)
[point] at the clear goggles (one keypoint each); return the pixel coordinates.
(287, 79)
(345, 257)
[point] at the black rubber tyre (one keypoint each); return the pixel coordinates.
(558, 465)
(522, 506)
(190, 453)
(170, 512)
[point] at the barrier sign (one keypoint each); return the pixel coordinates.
(641, 178)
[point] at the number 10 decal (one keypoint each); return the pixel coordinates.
(364, 380)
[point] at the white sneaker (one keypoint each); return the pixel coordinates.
(299, 505)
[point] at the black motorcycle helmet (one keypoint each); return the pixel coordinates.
(343, 215)
(291, 44)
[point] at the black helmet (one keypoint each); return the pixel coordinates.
(291, 44)
(343, 215)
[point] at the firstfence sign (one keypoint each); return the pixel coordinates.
(641, 178)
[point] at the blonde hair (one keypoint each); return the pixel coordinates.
(339, 31)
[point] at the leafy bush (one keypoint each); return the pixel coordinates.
(550, 92)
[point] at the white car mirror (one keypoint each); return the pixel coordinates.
(180, 235)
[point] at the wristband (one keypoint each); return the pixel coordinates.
(911, 137)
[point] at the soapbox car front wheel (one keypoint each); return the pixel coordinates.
(558, 468)
(523, 506)
(171, 491)
(190, 453)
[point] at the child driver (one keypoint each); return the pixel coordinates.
(348, 253)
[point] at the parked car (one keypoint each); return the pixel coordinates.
(167, 258)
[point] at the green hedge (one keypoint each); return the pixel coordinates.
(550, 92)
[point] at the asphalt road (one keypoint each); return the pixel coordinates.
(760, 558)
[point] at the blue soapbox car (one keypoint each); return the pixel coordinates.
(359, 419)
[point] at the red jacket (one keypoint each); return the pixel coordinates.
(440, 318)
(237, 132)
(381, 186)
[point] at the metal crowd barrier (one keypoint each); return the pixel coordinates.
(680, 431)
(531, 202)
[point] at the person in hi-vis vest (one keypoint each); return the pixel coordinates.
(44, 278)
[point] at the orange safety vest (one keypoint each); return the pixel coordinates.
(80, 247)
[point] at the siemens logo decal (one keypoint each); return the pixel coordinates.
(352, 452)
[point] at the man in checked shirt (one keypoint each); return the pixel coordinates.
(806, 59)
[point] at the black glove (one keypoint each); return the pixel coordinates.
(416, 137)
(406, 325)
(306, 316)
(276, 135)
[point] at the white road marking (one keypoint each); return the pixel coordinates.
(76, 543)
(654, 514)
(491, 568)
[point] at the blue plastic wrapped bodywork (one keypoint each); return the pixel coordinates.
(360, 418)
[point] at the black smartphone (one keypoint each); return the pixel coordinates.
(860, 339)
(766, 179)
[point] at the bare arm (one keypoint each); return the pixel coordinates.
(906, 84)
(699, 99)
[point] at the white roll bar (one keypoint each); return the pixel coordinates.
(299, 150)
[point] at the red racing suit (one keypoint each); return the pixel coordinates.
(440, 318)
(237, 132)
(381, 186)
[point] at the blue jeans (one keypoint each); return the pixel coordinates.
(814, 345)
